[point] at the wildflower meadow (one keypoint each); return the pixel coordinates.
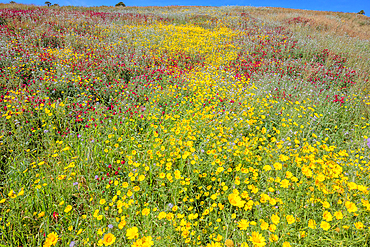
(183, 126)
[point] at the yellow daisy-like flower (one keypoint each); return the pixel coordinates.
(162, 215)
(351, 207)
(146, 211)
(338, 215)
(214, 244)
(286, 244)
(325, 225)
(275, 219)
(264, 225)
(243, 224)
(327, 216)
(109, 239)
(312, 224)
(359, 225)
(229, 243)
(67, 209)
(257, 239)
(122, 224)
(132, 232)
(52, 239)
(278, 166)
(147, 241)
(236, 200)
(290, 219)
(12, 194)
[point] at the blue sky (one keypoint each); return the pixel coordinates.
(326, 5)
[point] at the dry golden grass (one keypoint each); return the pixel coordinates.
(346, 24)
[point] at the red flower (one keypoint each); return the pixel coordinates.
(55, 215)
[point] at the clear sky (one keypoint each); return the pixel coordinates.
(326, 5)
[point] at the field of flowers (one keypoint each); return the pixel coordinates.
(180, 126)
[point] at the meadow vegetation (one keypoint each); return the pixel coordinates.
(183, 126)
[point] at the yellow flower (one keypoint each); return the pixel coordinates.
(286, 244)
(359, 225)
(109, 239)
(229, 243)
(275, 219)
(218, 238)
(285, 183)
(325, 225)
(327, 216)
(169, 216)
(290, 219)
(52, 239)
(283, 157)
(243, 224)
(41, 214)
(147, 241)
(264, 225)
(273, 238)
(351, 207)
(68, 208)
(100, 242)
(272, 228)
(267, 168)
(177, 174)
(21, 192)
(257, 239)
(338, 215)
(321, 177)
(12, 194)
(214, 244)
(122, 224)
(137, 243)
(100, 231)
(161, 215)
(132, 232)
(326, 204)
(236, 200)
(278, 166)
(145, 211)
(102, 201)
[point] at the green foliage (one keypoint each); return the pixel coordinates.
(361, 12)
(120, 4)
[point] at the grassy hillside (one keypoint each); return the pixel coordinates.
(183, 126)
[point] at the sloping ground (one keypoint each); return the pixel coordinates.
(181, 126)
(339, 23)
